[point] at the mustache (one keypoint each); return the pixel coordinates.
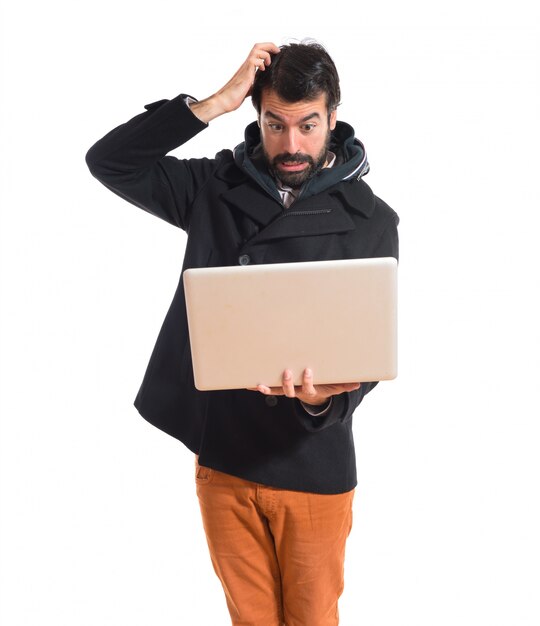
(292, 158)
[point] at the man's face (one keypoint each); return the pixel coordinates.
(295, 136)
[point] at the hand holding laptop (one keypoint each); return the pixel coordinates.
(307, 392)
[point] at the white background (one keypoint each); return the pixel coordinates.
(99, 518)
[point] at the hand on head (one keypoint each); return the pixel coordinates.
(238, 88)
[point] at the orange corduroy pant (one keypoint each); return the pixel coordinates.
(279, 554)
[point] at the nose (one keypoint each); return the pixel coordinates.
(290, 142)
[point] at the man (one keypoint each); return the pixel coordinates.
(275, 467)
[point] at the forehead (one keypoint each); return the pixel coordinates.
(290, 111)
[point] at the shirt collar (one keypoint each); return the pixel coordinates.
(288, 194)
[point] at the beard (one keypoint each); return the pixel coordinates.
(296, 179)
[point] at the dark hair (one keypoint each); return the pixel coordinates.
(301, 71)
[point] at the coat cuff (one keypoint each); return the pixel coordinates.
(317, 410)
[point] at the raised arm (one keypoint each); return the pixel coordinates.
(131, 160)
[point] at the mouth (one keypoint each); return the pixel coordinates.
(293, 166)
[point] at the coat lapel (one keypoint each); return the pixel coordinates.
(248, 199)
(317, 215)
(321, 214)
(305, 219)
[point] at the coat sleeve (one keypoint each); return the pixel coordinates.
(344, 405)
(131, 161)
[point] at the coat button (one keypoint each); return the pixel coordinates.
(271, 400)
(244, 259)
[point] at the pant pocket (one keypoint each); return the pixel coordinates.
(203, 475)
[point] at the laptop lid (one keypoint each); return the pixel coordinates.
(247, 324)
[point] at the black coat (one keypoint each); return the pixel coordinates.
(231, 210)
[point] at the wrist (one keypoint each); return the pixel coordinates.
(208, 109)
(316, 403)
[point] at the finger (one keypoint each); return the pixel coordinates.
(260, 55)
(288, 385)
(307, 383)
(351, 386)
(268, 391)
(267, 46)
(337, 389)
(260, 60)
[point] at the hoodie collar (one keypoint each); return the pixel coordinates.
(351, 161)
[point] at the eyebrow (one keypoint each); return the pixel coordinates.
(304, 119)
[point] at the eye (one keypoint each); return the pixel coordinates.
(274, 127)
(307, 128)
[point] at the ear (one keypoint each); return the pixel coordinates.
(333, 119)
(259, 121)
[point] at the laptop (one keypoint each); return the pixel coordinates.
(247, 324)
